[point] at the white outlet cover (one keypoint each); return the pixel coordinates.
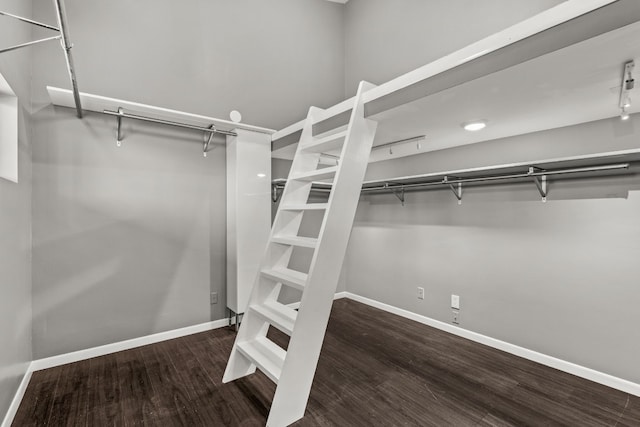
(455, 302)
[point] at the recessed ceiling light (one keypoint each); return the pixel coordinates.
(474, 125)
(261, 175)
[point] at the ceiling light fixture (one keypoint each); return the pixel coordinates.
(262, 175)
(474, 125)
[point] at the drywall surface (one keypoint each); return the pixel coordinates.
(130, 241)
(15, 217)
(269, 60)
(127, 241)
(385, 39)
(559, 277)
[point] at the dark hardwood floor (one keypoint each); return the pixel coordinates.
(376, 369)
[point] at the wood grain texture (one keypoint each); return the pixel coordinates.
(375, 369)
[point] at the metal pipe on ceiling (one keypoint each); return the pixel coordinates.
(29, 21)
(20, 46)
(67, 46)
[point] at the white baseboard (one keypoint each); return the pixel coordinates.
(562, 365)
(76, 356)
(102, 350)
(15, 403)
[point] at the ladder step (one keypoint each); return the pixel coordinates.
(304, 206)
(318, 174)
(278, 315)
(286, 276)
(266, 355)
(327, 143)
(303, 242)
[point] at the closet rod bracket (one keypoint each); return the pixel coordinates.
(399, 193)
(540, 181)
(456, 189)
(119, 136)
(274, 193)
(208, 137)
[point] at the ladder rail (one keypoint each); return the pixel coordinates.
(238, 365)
(293, 371)
(296, 379)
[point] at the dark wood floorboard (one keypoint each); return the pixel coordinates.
(376, 369)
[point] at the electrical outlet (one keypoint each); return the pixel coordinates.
(455, 302)
(420, 293)
(456, 317)
(214, 297)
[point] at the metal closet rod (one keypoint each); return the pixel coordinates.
(168, 122)
(390, 186)
(491, 178)
(64, 40)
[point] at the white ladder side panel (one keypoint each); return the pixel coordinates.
(253, 325)
(299, 368)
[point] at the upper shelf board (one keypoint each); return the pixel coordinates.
(559, 68)
(631, 157)
(97, 103)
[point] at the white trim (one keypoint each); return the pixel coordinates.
(562, 365)
(338, 295)
(102, 350)
(17, 399)
(98, 103)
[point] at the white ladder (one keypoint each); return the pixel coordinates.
(293, 370)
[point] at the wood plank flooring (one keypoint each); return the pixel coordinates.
(376, 369)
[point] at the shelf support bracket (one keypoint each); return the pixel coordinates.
(540, 181)
(208, 137)
(398, 193)
(456, 189)
(119, 136)
(274, 193)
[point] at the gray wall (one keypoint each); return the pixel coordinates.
(559, 277)
(384, 39)
(130, 241)
(15, 218)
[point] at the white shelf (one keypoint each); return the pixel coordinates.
(97, 103)
(576, 48)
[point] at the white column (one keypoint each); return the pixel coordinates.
(248, 212)
(8, 132)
